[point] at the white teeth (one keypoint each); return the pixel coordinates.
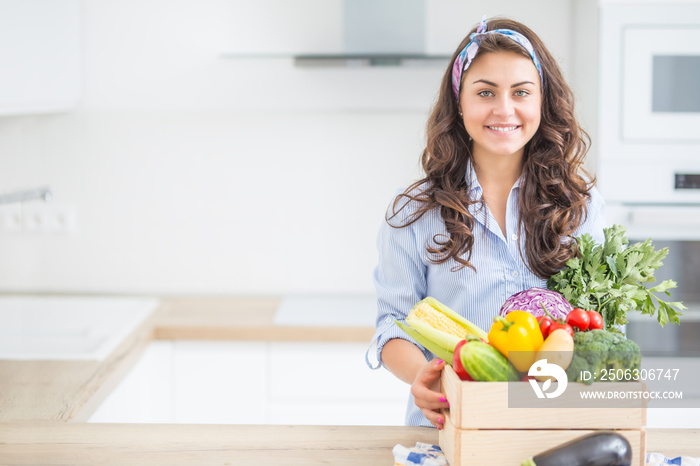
(503, 128)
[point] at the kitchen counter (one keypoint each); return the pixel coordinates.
(197, 444)
(43, 404)
(72, 390)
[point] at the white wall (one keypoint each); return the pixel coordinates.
(192, 173)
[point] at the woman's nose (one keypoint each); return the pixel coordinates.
(503, 106)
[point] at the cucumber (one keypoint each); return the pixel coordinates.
(484, 363)
(603, 448)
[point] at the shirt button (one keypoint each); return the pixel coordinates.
(514, 237)
(515, 274)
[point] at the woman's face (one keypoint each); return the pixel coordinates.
(501, 101)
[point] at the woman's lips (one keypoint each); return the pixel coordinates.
(503, 128)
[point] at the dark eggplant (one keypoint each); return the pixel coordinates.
(604, 448)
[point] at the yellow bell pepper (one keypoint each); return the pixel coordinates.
(518, 333)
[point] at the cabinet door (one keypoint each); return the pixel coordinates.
(255, 383)
(330, 384)
(40, 55)
(220, 382)
(145, 394)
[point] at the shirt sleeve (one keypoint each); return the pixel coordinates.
(399, 279)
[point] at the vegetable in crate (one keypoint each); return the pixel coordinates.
(457, 362)
(517, 336)
(610, 278)
(602, 448)
(596, 320)
(558, 348)
(549, 324)
(438, 328)
(595, 350)
(531, 300)
(484, 363)
(579, 319)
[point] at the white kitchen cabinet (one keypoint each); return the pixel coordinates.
(330, 384)
(40, 56)
(328, 413)
(219, 382)
(224, 382)
(145, 395)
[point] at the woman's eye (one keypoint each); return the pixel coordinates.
(485, 93)
(521, 93)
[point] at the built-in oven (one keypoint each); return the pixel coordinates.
(648, 145)
(649, 103)
(682, 265)
(660, 76)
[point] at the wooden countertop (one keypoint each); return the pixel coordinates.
(43, 404)
(53, 443)
(72, 390)
(240, 319)
(198, 444)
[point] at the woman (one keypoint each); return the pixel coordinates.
(501, 200)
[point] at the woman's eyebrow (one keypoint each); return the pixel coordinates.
(522, 83)
(496, 85)
(485, 82)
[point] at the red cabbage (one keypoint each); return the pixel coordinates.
(531, 301)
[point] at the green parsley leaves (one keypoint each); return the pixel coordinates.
(610, 279)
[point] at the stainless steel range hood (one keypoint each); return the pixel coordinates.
(380, 33)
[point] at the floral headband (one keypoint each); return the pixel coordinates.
(465, 57)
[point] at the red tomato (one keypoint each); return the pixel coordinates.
(545, 325)
(578, 318)
(596, 320)
(558, 325)
(457, 362)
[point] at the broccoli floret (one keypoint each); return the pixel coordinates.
(577, 367)
(624, 354)
(596, 350)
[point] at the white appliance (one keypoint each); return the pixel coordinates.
(649, 147)
(649, 116)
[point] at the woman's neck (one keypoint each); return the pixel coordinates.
(498, 172)
(497, 175)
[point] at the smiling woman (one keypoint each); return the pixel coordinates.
(503, 195)
(500, 101)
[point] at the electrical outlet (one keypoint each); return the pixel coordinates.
(48, 219)
(11, 218)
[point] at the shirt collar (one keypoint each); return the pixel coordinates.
(473, 181)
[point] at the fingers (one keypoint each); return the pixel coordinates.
(436, 418)
(428, 398)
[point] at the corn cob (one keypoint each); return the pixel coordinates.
(437, 320)
(438, 328)
(452, 315)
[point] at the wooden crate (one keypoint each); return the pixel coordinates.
(480, 428)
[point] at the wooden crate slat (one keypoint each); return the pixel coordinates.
(485, 405)
(463, 447)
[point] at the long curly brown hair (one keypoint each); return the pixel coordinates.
(553, 192)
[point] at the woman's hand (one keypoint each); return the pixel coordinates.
(426, 391)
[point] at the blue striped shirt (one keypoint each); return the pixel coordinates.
(405, 275)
